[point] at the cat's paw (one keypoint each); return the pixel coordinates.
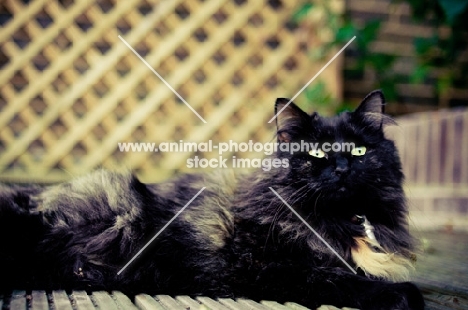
(397, 296)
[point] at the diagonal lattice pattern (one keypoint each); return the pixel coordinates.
(70, 90)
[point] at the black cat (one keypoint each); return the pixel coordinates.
(237, 238)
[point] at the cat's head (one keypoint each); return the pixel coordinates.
(349, 160)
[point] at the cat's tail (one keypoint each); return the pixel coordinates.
(21, 229)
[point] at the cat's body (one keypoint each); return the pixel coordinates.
(237, 238)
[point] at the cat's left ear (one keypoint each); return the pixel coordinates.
(372, 109)
(290, 120)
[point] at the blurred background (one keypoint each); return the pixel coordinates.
(71, 90)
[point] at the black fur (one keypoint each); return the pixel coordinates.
(236, 239)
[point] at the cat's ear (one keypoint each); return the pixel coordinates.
(372, 109)
(291, 120)
(374, 102)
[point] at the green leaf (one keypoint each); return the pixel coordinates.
(345, 33)
(389, 89)
(444, 83)
(368, 33)
(419, 74)
(424, 45)
(453, 8)
(381, 62)
(302, 12)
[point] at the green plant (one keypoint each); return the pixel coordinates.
(438, 57)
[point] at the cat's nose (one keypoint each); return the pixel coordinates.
(341, 166)
(341, 170)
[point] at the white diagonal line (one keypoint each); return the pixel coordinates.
(161, 78)
(160, 231)
(312, 79)
(313, 230)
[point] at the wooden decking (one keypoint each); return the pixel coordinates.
(442, 275)
(442, 269)
(80, 300)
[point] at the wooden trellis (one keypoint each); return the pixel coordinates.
(71, 90)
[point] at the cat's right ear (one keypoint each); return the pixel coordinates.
(290, 120)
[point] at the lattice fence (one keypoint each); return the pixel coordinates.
(71, 90)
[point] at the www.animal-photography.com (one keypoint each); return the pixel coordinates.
(233, 154)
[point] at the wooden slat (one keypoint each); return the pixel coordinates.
(451, 145)
(464, 150)
(18, 300)
(230, 303)
(251, 304)
(123, 301)
(422, 148)
(39, 300)
(61, 300)
(169, 303)
(295, 306)
(273, 305)
(146, 302)
(82, 300)
(434, 168)
(104, 301)
(188, 302)
(211, 304)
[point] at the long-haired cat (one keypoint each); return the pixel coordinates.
(237, 238)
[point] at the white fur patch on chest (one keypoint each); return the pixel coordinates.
(373, 259)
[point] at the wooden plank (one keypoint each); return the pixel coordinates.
(18, 300)
(327, 307)
(123, 301)
(188, 302)
(104, 301)
(146, 302)
(82, 300)
(274, 305)
(464, 149)
(211, 304)
(295, 306)
(61, 300)
(168, 302)
(231, 304)
(422, 149)
(450, 149)
(435, 171)
(250, 304)
(39, 300)
(439, 300)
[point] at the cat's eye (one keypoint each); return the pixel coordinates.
(358, 151)
(317, 153)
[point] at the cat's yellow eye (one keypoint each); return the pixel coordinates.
(317, 153)
(358, 151)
